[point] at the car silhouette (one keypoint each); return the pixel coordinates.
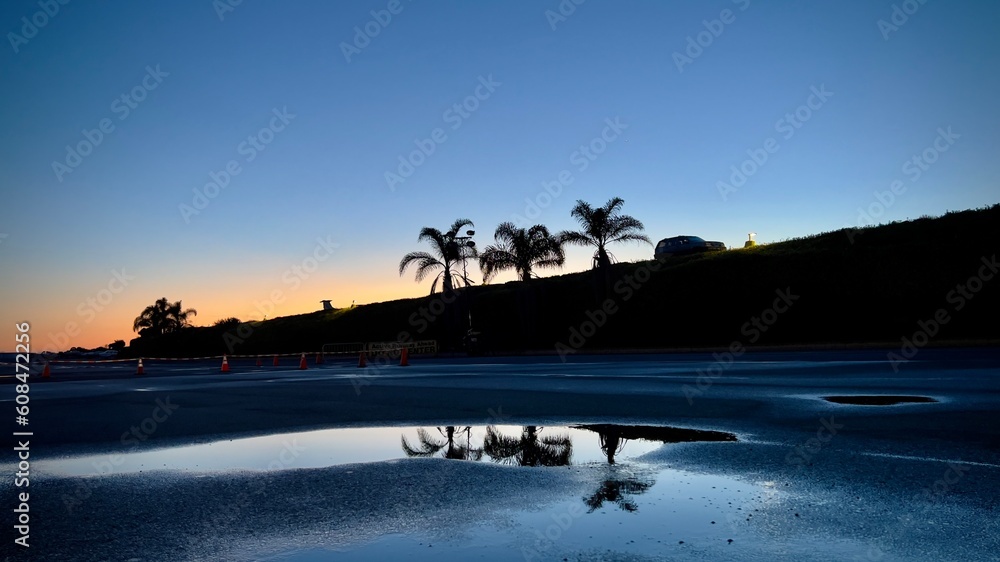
(683, 245)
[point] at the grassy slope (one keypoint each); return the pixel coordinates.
(875, 288)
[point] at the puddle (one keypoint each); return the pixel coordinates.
(878, 400)
(510, 445)
(670, 514)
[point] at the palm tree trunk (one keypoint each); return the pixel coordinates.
(603, 261)
(526, 307)
(601, 282)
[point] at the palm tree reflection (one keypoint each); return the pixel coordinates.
(528, 449)
(612, 438)
(532, 449)
(428, 445)
(618, 490)
(611, 442)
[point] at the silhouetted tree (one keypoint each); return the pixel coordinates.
(227, 323)
(162, 317)
(448, 255)
(521, 249)
(602, 226)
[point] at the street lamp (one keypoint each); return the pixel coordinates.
(468, 242)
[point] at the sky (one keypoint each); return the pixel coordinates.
(253, 158)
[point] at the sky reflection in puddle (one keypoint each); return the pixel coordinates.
(512, 445)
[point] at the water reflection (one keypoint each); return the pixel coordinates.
(612, 438)
(428, 445)
(528, 449)
(531, 448)
(618, 490)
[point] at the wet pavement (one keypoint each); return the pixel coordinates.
(510, 460)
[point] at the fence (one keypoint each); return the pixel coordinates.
(263, 360)
(393, 348)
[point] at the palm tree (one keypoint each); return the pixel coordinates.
(162, 317)
(528, 449)
(429, 446)
(447, 255)
(521, 249)
(602, 226)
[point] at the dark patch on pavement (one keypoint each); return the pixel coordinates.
(878, 400)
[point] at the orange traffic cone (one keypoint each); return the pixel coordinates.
(302, 363)
(275, 362)
(138, 369)
(319, 358)
(45, 371)
(225, 364)
(258, 361)
(362, 360)
(404, 358)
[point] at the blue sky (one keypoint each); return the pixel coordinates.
(211, 82)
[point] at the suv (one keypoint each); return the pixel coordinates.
(683, 245)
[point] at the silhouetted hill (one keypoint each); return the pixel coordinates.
(869, 285)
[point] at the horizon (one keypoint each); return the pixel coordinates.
(272, 138)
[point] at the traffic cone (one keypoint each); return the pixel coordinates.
(275, 362)
(225, 364)
(138, 369)
(45, 371)
(404, 358)
(302, 363)
(319, 358)
(258, 361)
(362, 360)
